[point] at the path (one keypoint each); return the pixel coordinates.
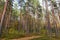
(27, 38)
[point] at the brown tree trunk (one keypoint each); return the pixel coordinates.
(8, 15)
(48, 19)
(59, 10)
(4, 11)
(54, 20)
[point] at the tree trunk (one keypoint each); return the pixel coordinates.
(54, 20)
(48, 19)
(8, 15)
(4, 11)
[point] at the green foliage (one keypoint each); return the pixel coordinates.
(1, 6)
(13, 33)
(42, 38)
(15, 29)
(15, 14)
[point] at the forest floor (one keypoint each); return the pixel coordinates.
(27, 38)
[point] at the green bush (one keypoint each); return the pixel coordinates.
(13, 33)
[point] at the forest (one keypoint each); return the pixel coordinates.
(29, 19)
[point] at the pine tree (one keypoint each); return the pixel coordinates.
(4, 11)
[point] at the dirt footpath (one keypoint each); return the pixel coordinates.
(27, 38)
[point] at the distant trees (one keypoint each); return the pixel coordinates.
(32, 8)
(27, 15)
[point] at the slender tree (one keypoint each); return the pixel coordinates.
(8, 13)
(4, 11)
(54, 19)
(48, 19)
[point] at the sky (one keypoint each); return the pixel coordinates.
(15, 1)
(40, 1)
(25, 1)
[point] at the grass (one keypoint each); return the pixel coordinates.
(46, 38)
(12, 34)
(41, 38)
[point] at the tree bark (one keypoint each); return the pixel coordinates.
(48, 19)
(8, 15)
(54, 20)
(4, 11)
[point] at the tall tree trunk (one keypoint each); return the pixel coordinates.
(58, 10)
(54, 20)
(48, 19)
(8, 14)
(4, 11)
